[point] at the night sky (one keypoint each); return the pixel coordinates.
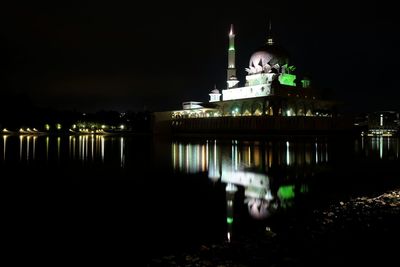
(128, 57)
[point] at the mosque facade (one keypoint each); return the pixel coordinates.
(271, 88)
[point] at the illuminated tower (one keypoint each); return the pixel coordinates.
(231, 72)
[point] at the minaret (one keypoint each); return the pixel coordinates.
(270, 41)
(231, 72)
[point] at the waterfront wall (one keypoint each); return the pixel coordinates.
(263, 125)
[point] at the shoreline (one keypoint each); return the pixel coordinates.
(359, 230)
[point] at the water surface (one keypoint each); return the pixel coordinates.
(164, 196)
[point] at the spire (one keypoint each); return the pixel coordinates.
(231, 71)
(231, 33)
(270, 41)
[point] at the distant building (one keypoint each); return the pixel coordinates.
(383, 123)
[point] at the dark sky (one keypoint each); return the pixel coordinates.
(124, 56)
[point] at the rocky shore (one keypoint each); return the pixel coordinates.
(361, 231)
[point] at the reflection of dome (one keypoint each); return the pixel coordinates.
(258, 208)
(267, 58)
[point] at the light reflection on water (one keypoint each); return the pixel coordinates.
(378, 147)
(84, 148)
(212, 156)
(257, 177)
(268, 172)
(249, 165)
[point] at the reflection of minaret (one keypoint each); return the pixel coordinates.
(230, 196)
(231, 72)
(270, 40)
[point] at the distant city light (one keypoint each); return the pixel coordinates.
(74, 126)
(122, 126)
(58, 126)
(47, 127)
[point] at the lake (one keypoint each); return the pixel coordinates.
(147, 197)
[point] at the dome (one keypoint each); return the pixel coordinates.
(215, 91)
(267, 58)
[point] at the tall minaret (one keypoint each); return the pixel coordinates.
(231, 72)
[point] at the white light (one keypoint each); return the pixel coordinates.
(231, 187)
(287, 153)
(122, 126)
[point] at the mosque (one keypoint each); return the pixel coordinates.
(271, 89)
(273, 100)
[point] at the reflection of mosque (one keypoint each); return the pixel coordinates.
(268, 172)
(272, 174)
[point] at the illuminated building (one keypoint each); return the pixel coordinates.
(271, 88)
(383, 123)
